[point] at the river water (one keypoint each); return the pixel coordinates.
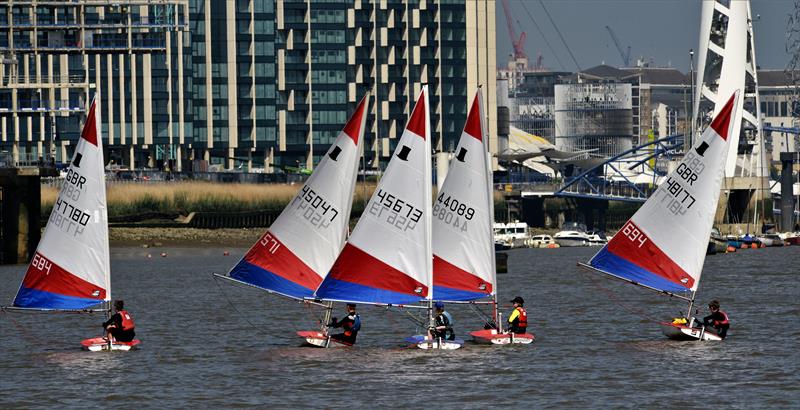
(213, 344)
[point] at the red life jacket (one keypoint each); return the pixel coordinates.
(724, 322)
(523, 317)
(127, 320)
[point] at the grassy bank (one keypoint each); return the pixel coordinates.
(186, 197)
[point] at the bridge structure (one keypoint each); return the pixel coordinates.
(629, 176)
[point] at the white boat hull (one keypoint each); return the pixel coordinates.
(490, 336)
(422, 342)
(313, 338)
(571, 242)
(680, 332)
(98, 344)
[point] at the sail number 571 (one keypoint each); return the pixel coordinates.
(634, 234)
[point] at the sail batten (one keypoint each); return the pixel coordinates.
(663, 245)
(387, 260)
(295, 254)
(70, 269)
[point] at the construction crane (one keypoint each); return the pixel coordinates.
(518, 43)
(626, 55)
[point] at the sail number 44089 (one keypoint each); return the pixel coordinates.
(634, 234)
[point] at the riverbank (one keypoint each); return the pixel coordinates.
(183, 237)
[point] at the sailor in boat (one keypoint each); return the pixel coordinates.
(717, 319)
(351, 324)
(120, 326)
(518, 319)
(442, 324)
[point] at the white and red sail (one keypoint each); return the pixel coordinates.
(463, 249)
(387, 259)
(663, 245)
(294, 255)
(71, 269)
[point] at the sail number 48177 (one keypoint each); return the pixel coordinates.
(634, 234)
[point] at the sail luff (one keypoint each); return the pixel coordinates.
(490, 188)
(428, 189)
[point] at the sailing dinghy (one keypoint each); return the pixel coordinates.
(463, 217)
(293, 257)
(387, 260)
(662, 247)
(70, 271)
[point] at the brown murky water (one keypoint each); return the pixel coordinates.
(596, 346)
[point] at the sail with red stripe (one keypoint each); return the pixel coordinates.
(463, 249)
(70, 269)
(387, 259)
(663, 246)
(295, 254)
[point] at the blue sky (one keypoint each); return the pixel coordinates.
(663, 30)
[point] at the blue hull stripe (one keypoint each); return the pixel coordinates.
(608, 262)
(340, 290)
(262, 278)
(40, 299)
(443, 293)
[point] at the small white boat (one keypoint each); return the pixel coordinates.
(683, 332)
(423, 342)
(770, 239)
(595, 239)
(571, 238)
(543, 241)
(513, 234)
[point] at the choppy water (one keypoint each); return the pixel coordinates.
(594, 347)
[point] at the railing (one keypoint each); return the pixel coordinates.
(612, 180)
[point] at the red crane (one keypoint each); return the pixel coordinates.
(518, 43)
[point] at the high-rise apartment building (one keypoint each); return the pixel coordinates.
(54, 55)
(243, 81)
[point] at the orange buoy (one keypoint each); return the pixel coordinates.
(744, 246)
(753, 246)
(730, 249)
(761, 245)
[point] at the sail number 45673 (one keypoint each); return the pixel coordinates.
(401, 214)
(634, 234)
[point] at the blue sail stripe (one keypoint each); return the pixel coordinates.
(262, 278)
(335, 289)
(445, 293)
(40, 299)
(607, 261)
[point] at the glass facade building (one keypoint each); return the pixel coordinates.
(240, 81)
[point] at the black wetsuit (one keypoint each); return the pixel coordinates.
(117, 332)
(443, 319)
(719, 321)
(351, 325)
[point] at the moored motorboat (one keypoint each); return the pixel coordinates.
(571, 238)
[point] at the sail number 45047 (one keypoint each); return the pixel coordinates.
(314, 208)
(634, 234)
